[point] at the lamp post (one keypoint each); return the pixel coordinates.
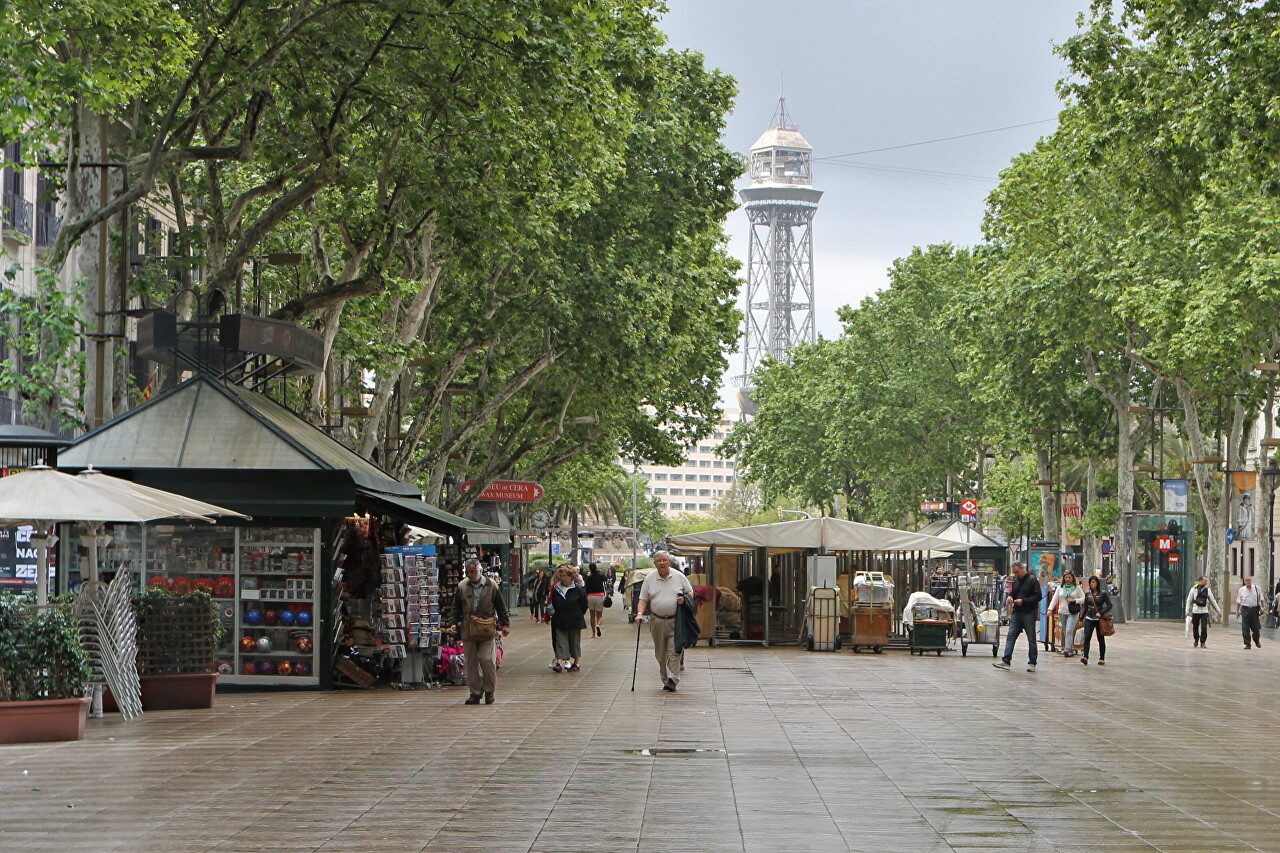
(635, 504)
(1272, 474)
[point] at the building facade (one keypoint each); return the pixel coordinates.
(697, 483)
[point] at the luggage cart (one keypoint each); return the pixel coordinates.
(871, 626)
(822, 619)
(930, 635)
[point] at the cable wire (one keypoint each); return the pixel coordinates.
(932, 141)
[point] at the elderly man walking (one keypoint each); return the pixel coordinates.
(1023, 602)
(661, 595)
(480, 615)
(1249, 601)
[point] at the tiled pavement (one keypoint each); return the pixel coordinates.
(1165, 749)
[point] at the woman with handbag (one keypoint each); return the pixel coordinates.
(540, 588)
(567, 606)
(1067, 601)
(593, 584)
(1096, 610)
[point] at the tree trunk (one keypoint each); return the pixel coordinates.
(573, 536)
(1089, 540)
(1049, 520)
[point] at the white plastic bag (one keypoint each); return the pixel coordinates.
(1188, 633)
(1077, 640)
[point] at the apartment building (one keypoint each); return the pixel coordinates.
(703, 477)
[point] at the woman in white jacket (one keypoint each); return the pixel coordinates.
(1201, 606)
(1067, 600)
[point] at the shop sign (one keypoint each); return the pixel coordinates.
(933, 506)
(18, 557)
(302, 349)
(516, 491)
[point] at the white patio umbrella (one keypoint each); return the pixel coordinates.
(44, 497)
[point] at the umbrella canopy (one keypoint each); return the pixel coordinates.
(44, 497)
(173, 505)
(834, 534)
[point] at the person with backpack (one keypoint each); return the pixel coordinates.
(1201, 607)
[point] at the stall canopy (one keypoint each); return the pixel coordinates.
(435, 519)
(233, 447)
(833, 534)
(962, 533)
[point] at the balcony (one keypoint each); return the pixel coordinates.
(16, 213)
(47, 225)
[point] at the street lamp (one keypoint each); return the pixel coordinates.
(1272, 474)
(635, 503)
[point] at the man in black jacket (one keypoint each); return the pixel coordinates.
(1024, 603)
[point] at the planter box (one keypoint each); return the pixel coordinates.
(43, 721)
(171, 692)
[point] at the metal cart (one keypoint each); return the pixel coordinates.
(929, 635)
(979, 612)
(871, 624)
(822, 619)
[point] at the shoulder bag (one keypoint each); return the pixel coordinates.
(1105, 626)
(482, 628)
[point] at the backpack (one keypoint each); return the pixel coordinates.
(1202, 596)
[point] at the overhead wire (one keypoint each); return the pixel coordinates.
(932, 141)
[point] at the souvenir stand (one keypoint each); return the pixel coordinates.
(738, 556)
(276, 576)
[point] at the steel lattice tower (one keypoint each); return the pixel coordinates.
(780, 202)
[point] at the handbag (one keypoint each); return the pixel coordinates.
(1073, 607)
(1105, 626)
(608, 601)
(1272, 621)
(482, 628)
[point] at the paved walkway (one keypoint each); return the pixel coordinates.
(1165, 749)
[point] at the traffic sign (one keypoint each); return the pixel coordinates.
(1106, 546)
(516, 491)
(1173, 557)
(555, 548)
(1165, 542)
(1231, 535)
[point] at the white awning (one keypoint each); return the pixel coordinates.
(834, 534)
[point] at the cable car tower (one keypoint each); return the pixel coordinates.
(780, 202)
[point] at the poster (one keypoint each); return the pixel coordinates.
(1175, 496)
(1071, 512)
(17, 558)
(1242, 483)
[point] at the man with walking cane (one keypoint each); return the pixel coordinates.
(661, 596)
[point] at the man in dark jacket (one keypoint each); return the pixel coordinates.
(1023, 602)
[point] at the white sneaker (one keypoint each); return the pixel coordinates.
(1031, 667)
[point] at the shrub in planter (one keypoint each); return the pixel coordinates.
(177, 637)
(44, 673)
(40, 653)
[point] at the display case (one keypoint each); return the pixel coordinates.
(125, 551)
(275, 616)
(186, 557)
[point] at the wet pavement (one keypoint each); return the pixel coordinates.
(1166, 748)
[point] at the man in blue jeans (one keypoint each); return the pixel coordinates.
(1024, 601)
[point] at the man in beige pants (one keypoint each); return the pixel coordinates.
(660, 601)
(479, 596)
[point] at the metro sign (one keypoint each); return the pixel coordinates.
(515, 491)
(969, 506)
(1173, 558)
(1165, 543)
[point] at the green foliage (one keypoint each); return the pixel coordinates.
(44, 331)
(1009, 491)
(40, 653)
(690, 522)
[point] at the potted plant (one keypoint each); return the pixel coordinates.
(177, 639)
(44, 673)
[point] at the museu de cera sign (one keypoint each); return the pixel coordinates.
(515, 491)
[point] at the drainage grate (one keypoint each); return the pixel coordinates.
(660, 752)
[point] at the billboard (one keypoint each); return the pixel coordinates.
(18, 558)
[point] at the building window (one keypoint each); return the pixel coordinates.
(691, 464)
(704, 507)
(659, 491)
(718, 463)
(705, 478)
(717, 434)
(705, 449)
(704, 463)
(690, 477)
(719, 478)
(706, 493)
(729, 478)
(659, 476)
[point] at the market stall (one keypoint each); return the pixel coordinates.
(766, 565)
(322, 519)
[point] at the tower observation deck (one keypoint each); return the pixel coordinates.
(780, 203)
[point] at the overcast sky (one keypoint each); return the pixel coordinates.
(870, 74)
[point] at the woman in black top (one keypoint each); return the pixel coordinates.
(1096, 603)
(567, 604)
(593, 584)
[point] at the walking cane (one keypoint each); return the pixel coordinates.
(635, 665)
